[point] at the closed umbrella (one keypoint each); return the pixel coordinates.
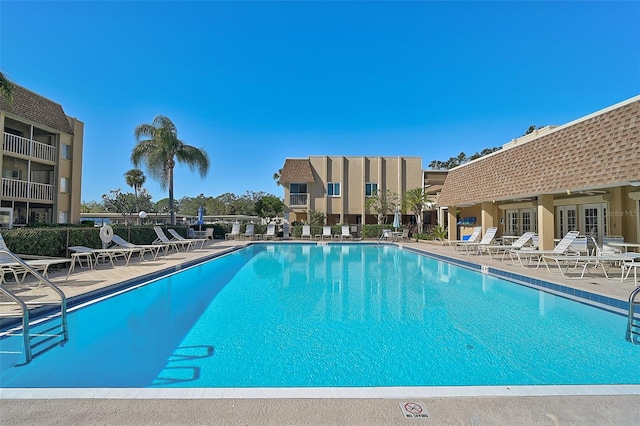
(396, 219)
(200, 218)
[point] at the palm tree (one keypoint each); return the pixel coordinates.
(415, 200)
(159, 148)
(135, 178)
(276, 177)
(6, 88)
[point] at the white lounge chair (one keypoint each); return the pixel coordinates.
(248, 232)
(345, 232)
(93, 256)
(193, 241)
(9, 264)
(235, 232)
(326, 233)
(504, 248)
(560, 249)
(164, 240)
(474, 237)
(486, 240)
(271, 232)
(120, 242)
(306, 232)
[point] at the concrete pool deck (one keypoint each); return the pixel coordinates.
(551, 405)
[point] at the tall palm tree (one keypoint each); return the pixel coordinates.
(159, 148)
(135, 178)
(415, 200)
(276, 177)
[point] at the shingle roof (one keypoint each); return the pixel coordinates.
(296, 170)
(598, 151)
(33, 107)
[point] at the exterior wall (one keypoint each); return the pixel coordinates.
(397, 174)
(34, 170)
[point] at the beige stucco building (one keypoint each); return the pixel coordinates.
(584, 175)
(41, 161)
(339, 186)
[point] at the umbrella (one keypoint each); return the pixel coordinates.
(396, 219)
(200, 218)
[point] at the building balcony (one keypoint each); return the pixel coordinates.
(23, 190)
(29, 148)
(298, 200)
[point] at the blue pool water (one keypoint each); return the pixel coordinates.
(338, 315)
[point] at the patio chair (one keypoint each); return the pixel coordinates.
(248, 232)
(164, 240)
(345, 233)
(560, 249)
(193, 241)
(271, 232)
(504, 248)
(235, 232)
(486, 240)
(9, 265)
(405, 235)
(208, 234)
(120, 242)
(306, 232)
(326, 233)
(475, 235)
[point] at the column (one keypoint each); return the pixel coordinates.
(546, 221)
(453, 227)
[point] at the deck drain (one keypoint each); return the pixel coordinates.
(414, 409)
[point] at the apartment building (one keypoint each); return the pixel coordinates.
(41, 161)
(583, 175)
(339, 186)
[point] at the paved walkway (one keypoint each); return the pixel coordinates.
(566, 406)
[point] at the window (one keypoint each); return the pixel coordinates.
(298, 188)
(65, 184)
(66, 151)
(333, 189)
(370, 189)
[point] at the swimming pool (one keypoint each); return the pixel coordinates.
(352, 315)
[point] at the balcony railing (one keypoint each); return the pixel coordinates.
(12, 188)
(29, 148)
(298, 199)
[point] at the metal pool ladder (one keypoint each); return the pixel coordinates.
(633, 327)
(54, 334)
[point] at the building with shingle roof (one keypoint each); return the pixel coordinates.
(584, 175)
(41, 161)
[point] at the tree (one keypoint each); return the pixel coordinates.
(269, 206)
(276, 177)
(135, 178)
(91, 207)
(414, 200)
(127, 204)
(6, 88)
(382, 203)
(160, 151)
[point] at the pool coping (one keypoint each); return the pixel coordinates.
(392, 392)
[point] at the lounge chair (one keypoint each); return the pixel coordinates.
(345, 233)
(9, 264)
(164, 240)
(248, 233)
(271, 232)
(504, 248)
(405, 235)
(93, 256)
(193, 241)
(602, 258)
(486, 240)
(326, 233)
(154, 249)
(627, 266)
(235, 232)
(560, 249)
(306, 232)
(475, 236)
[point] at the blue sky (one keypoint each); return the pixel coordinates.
(253, 83)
